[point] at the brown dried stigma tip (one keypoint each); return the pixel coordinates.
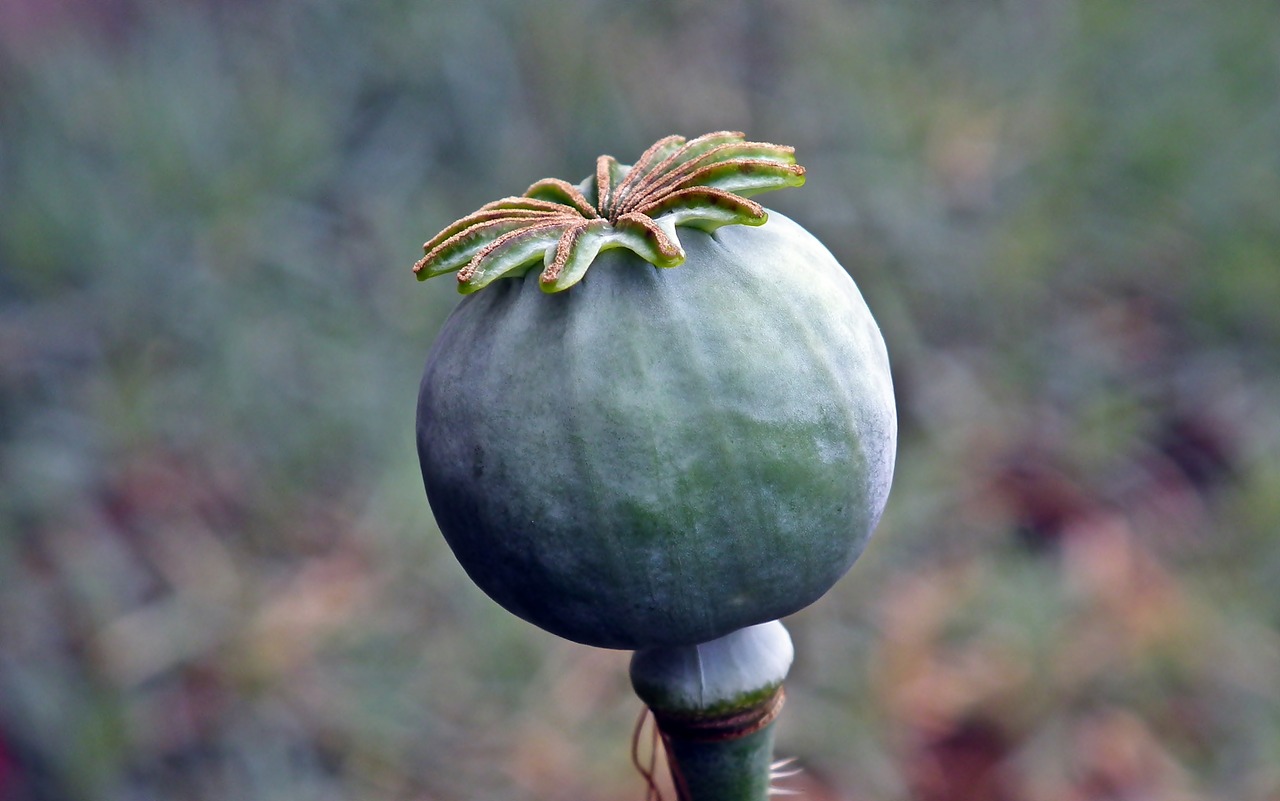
(700, 183)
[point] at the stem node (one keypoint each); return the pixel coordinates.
(715, 704)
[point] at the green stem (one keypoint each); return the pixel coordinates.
(730, 770)
(715, 704)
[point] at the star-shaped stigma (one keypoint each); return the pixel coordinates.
(701, 183)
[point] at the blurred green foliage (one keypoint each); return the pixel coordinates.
(218, 573)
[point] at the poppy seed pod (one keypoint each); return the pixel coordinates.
(635, 456)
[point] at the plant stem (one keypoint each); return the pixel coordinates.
(715, 705)
(737, 769)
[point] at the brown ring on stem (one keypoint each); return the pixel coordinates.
(721, 728)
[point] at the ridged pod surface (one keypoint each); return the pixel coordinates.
(659, 457)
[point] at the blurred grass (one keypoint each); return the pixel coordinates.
(218, 574)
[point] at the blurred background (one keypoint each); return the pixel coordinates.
(219, 577)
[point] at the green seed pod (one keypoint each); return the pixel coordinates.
(636, 456)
